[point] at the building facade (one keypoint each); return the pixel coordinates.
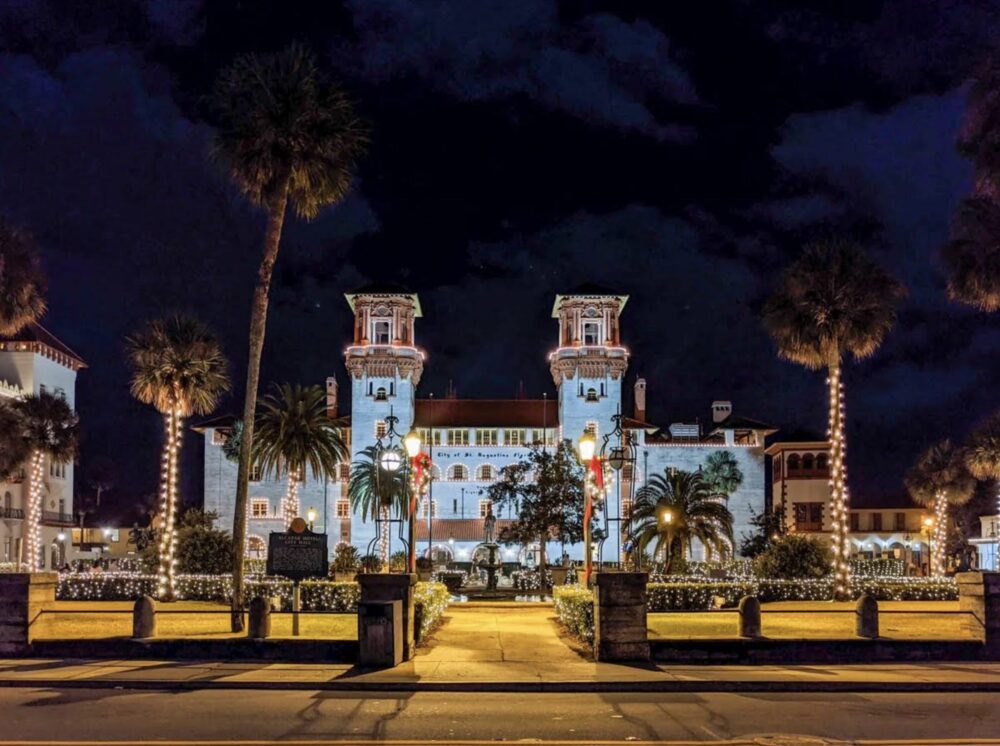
(33, 362)
(471, 440)
(889, 527)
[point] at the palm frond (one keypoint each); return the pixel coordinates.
(177, 361)
(372, 488)
(22, 282)
(940, 470)
(293, 432)
(982, 455)
(49, 425)
(833, 301)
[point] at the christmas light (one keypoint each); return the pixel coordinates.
(166, 583)
(33, 514)
(290, 504)
(839, 496)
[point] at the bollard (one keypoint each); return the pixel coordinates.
(866, 617)
(144, 618)
(259, 627)
(749, 617)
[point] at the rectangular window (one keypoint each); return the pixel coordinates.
(543, 437)
(381, 331)
(344, 472)
(486, 437)
(343, 509)
(900, 522)
(259, 507)
(458, 437)
(41, 388)
(512, 437)
(422, 513)
(591, 333)
(876, 521)
(855, 522)
(380, 429)
(484, 507)
(626, 507)
(808, 516)
(591, 427)
(254, 473)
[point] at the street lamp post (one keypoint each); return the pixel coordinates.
(618, 450)
(667, 524)
(927, 528)
(412, 444)
(587, 446)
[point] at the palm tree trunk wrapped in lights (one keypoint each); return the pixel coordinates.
(938, 479)
(290, 505)
(833, 302)
(166, 570)
(178, 367)
(47, 427)
(33, 513)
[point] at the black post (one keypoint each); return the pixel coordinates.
(296, 605)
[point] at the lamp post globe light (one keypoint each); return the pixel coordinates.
(389, 459)
(311, 517)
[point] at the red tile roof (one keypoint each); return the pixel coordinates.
(486, 413)
(459, 529)
(41, 340)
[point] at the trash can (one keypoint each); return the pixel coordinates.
(380, 634)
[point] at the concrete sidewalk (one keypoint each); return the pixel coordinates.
(419, 675)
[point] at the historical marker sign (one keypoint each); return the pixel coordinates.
(297, 555)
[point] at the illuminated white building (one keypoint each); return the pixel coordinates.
(33, 362)
(471, 440)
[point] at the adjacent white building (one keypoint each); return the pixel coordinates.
(33, 362)
(471, 440)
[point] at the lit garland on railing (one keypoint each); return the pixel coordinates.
(839, 496)
(33, 514)
(290, 505)
(167, 570)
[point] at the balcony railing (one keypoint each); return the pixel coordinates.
(53, 517)
(16, 513)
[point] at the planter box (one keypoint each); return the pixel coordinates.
(559, 575)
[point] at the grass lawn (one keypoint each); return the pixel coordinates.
(822, 619)
(90, 619)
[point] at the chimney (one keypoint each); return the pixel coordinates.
(721, 411)
(331, 397)
(640, 399)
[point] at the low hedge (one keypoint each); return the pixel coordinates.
(694, 596)
(430, 600)
(575, 608)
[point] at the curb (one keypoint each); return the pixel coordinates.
(553, 687)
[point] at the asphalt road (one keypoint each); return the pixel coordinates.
(88, 715)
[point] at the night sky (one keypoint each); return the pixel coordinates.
(681, 152)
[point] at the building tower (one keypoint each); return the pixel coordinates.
(590, 361)
(383, 361)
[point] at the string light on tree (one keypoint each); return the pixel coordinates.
(839, 497)
(33, 514)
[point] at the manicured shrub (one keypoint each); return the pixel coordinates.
(430, 600)
(574, 606)
(794, 556)
(878, 568)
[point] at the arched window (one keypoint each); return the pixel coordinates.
(822, 464)
(591, 394)
(458, 473)
(380, 394)
(485, 473)
(807, 462)
(435, 472)
(794, 463)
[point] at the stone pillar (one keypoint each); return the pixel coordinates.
(144, 618)
(979, 597)
(866, 621)
(749, 613)
(259, 627)
(620, 616)
(393, 587)
(22, 598)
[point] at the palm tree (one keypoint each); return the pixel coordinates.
(285, 134)
(940, 478)
(375, 492)
(673, 509)
(22, 283)
(294, 432)
(178, 367)
(834, 301)
(982, 456)
(50, 428)
(722, 473)
(972, 256)
(14, 449)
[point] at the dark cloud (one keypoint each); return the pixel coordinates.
(600, 68)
